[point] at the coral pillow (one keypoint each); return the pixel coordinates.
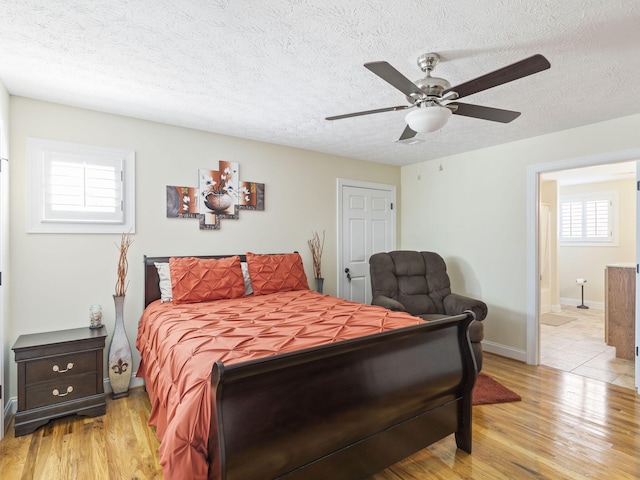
(200, 280)
(276, 273)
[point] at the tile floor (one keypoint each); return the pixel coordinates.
(578, 347)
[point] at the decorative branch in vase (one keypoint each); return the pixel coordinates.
(123, 265)
(317, 246)
(120, 360)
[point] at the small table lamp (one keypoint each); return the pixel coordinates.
(581, 282)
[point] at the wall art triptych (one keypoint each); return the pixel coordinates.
(220, 195)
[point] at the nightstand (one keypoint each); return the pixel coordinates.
(59, 373)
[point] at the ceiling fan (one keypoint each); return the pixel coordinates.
(434, 99)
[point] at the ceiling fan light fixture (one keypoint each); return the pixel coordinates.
(428, 119)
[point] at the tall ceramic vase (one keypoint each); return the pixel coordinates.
(120, 361)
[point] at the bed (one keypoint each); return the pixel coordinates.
(228, 408)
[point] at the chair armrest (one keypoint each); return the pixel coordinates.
(455, 304)
(388, 303)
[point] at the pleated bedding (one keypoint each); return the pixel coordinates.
(179, 344)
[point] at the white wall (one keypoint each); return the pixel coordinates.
(588, 261)
(4, 120)
(57, 277)
(5, 363)
(474, 213)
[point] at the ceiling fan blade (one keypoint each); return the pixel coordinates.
(407, 134)
(368, 112)
(484, 113)
(512, 72)
(390, 75)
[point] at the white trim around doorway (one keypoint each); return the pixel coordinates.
(533, 200)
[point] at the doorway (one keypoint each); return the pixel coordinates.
(534, 173)
(572, 325)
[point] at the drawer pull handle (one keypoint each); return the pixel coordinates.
(56, 392)
(56, 368)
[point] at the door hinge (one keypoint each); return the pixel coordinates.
(391, 205)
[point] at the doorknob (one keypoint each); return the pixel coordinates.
(346, 270)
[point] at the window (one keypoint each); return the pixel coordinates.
(589, 219)
(77, 188)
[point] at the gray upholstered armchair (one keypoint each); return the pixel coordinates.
(417, 283)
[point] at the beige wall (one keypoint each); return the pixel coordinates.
(549, 272)
(4, 120)
(589, 262)
(57, 277)
(5, 361)
(474, 212)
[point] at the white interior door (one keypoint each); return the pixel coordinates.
(366, 225)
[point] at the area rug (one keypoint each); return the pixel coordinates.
(487, 391)
(555, 319)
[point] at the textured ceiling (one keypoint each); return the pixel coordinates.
(272, 70)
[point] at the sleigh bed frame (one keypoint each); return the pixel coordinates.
(341, 411)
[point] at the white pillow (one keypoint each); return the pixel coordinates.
(164, 274)
(248, 288)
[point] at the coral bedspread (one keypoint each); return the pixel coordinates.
(180, 343)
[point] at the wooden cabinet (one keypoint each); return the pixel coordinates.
(620, 309)
(59, 373)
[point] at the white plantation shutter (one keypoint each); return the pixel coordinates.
(588, 218)
(77, 188)
(597, 219)
(571, 219)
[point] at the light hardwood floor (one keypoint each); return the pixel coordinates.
(566, 427)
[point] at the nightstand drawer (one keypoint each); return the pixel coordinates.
(59, 373)
(60, 390)
(59, 367)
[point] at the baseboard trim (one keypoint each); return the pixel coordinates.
(9, 411)
(504, 351)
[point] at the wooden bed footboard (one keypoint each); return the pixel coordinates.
(345, 410)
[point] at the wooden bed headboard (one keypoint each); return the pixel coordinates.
(151, 279)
